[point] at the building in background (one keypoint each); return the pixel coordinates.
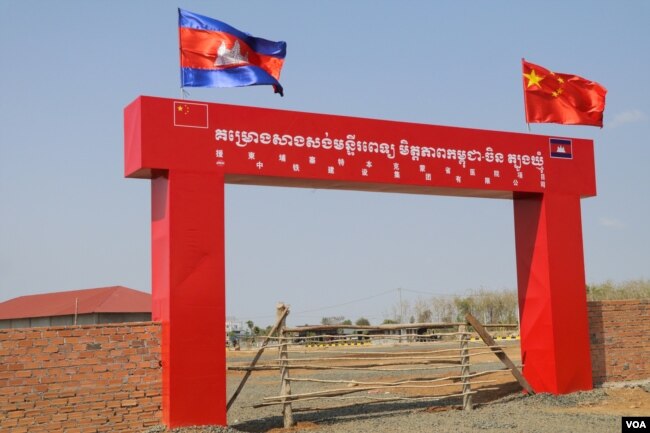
(236, 330)
(113, 304)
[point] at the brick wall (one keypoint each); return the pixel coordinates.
(107, 378)
(76, 379)
(620, 340)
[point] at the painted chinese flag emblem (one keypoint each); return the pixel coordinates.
(190, 114)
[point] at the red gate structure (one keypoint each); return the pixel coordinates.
(190, 150)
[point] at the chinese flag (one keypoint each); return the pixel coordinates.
(552, 97)
(190, 114)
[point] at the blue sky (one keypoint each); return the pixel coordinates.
(69, 220)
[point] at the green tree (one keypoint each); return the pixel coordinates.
(463, 306)
(362, 321)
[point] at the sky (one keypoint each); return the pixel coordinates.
(70, 220)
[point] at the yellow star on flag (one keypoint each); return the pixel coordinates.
(533, 79)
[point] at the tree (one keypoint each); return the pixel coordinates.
(332, 320)
(422, 312)
(632, 289)
(250, 325)
(362, 321)
(463, 306)
(399, 311)
(443, 309)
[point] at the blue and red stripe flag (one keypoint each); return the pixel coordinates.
(561, 148)
(214, 54)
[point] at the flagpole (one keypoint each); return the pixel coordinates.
(180, 54)
(525, 99)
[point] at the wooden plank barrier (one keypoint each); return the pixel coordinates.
(418, 363)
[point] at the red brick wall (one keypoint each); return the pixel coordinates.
(620, 340)
(76, 379)
(107, 378)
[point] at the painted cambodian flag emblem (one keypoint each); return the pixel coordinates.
(214, 54)
(561, 148)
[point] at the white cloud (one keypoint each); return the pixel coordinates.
(630, 116)
(611, 223)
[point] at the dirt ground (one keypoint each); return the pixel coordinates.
(621, 400)
(502, 408)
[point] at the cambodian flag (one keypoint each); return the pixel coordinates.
(214, 54)
(561, 148)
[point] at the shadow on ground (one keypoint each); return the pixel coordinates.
(362, 411)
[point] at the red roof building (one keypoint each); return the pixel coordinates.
(82, 307)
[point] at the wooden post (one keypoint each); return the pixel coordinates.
(257, 357)
(464, 367)
(285, 389)
(487, 339)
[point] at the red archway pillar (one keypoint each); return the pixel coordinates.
(189, 148)
(188, 289)
(552, 295)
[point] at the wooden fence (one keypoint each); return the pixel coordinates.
(423, 361)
